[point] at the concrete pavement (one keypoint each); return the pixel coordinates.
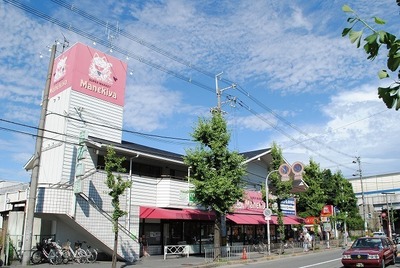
(174, 261)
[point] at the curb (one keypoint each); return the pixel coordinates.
(266, 258)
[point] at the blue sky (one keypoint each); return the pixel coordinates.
(299, 83)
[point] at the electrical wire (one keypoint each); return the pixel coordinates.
(140, 41)
(170, 72)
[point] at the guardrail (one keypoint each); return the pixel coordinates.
(176, 250)
(237, 252)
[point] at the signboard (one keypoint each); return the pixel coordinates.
(284, 171)
(91, 72)
(327, 211)
(288, 206)
(311, 220)
(252, 201)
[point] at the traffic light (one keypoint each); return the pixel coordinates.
(369, 215)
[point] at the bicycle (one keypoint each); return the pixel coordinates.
(48, 250)
(91, 253)
(289, 244)
(78, 255)
(260, 247)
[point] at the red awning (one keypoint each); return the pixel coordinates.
(286, 220)
(246, 218)
(175, 214)
(258, 219)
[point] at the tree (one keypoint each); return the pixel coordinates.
(281, 189)
(216, 172)
(372, 44)
(311, 202)
(326, 188)
(117, 187)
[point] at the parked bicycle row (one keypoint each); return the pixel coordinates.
(54, 253)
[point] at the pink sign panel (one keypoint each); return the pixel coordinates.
(252, 202)
(91, 72)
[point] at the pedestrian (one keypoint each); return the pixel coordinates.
(307, 240)
(345, 237)
(144, 246)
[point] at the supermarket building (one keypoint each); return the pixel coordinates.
(84, 118)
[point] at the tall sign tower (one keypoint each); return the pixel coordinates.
(86, 98)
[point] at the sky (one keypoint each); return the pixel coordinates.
(286, 75)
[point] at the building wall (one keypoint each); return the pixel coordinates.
(380, 192)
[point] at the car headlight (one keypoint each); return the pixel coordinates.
(373, 257)
(346, 256)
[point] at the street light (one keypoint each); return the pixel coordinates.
(267, 207)
(389, 226)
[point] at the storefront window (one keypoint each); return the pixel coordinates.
(176, 233)
(236, 234)
(260, 233)
(249, 238)
(191, 232)
(152, 233)
(207, 234)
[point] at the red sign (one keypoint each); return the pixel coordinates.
(311, 220)
(327, 211)
(91, 72)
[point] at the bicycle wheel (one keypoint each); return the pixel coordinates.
(92, 254)
(81, 256)
(36, 257)
(52, 256)
(65, 256)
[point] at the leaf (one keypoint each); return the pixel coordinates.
(379, 20)
(390, 96)
(393, 63)
(383, 74)
(345, 31)
(346, 8)
(351, 19)
(355, 36)
(371, 38)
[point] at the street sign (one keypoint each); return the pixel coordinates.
(267, 212)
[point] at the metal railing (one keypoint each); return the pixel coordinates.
(243, 252)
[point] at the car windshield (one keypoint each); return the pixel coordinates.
(367, 243)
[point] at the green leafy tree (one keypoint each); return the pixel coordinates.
(311, 202)
(281, 189)
(326, 188)
(372, 44)
(216, 172)
(117, 186)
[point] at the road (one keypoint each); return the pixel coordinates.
(320, 259)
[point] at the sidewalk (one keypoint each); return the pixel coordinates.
(174, 261)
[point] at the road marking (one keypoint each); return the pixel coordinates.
(316, 264)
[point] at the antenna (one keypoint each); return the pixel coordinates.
(65, 43)
(112, 33)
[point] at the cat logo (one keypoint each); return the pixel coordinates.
(100, 69)
(61, 69)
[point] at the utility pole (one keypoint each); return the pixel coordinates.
(359, 172)
(31, 202)
(219, 91)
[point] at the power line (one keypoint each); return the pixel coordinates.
(89, 36)
(242, 104)
(96, 124)
(169, 55)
